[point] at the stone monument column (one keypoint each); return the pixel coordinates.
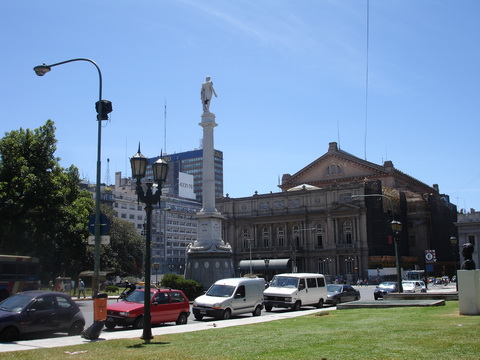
(209, 259)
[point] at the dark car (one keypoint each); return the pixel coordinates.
(166, 305)
(39, 311)
(385, 288)
(337, 293)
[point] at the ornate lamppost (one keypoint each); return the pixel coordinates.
(160, 170)
(156, 266)
(103, 107)
(454, 242)
(267, 262)
(397, 228)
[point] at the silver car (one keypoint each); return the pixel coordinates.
(413, 286)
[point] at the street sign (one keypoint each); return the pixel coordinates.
(104, 224)
(104, 240)
(430, 256)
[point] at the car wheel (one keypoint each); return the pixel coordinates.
(76, 328)
(9, 334)
(356, 298)
(182, 319)
(110, 325)
(320, 304)
(198, 317)
(297, 306)
(227, 314)
(268, 308)
(138, 323)
(336, 302)
(258, 311)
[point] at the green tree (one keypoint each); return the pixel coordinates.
(43, 212)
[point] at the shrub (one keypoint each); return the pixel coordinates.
(191, 288)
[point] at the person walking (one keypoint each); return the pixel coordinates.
(81, 288)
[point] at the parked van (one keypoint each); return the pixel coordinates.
(295, 290)
(229, 297)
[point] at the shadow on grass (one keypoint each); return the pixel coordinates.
(143, 344)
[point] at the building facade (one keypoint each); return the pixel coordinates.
(189, 162)
(174, 224)
(334, 217)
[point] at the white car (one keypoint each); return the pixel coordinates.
(413, 286)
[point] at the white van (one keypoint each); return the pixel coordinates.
(229, 297)
(295, 290)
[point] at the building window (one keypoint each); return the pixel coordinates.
(247, 242)
(347, 232)
(296, 235)
(333, 169)
(266, 237)
(281, 236)
(319, 235)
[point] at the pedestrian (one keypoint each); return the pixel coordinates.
(81, 288)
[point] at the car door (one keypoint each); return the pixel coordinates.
(178, 304)
(239, 301)
(64, 312)
(160, 308)
(41, 315)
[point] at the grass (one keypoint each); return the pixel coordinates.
(394, 333)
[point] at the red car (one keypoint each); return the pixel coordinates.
(167, 305)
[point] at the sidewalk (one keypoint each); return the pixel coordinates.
(156, 331)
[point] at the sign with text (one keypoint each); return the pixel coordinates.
(185, 186)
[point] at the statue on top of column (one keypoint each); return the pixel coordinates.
(206, 94)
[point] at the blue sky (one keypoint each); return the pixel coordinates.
(291, 76)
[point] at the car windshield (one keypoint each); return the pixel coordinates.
(284, 281)
(15, 303)
(387, 286)
(334, 288)
(220, 290)
(137, 296)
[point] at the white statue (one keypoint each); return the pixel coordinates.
(206, 94)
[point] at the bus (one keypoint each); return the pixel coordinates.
(18, 273)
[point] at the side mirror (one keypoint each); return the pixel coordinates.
(301, 286)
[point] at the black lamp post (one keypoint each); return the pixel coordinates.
(397, 228)
(454, 242)
(160, 170)
(156, 266)
(267, 262)
(103, 107)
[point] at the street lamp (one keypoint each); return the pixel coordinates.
(267, 262)
(454, 242)
(103, 108)
(156, 266)
(160, 170)
(397, 228)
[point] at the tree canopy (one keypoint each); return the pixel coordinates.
(44, 213)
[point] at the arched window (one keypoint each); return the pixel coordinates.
(266, 236)
(333, 169)
(281, 236)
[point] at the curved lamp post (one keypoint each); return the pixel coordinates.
(397, 228)
(160, 170)
(103, 107)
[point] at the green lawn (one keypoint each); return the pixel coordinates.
(396, 333)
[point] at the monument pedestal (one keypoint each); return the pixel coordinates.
(469, 292)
